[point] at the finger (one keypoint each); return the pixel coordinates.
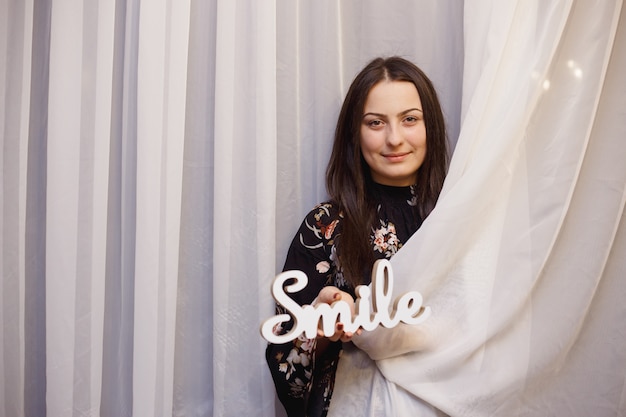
(335, 337)
(327, 294)
(338, 332)
(347, 336)
(332, 298)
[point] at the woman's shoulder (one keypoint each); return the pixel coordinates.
(324, 219)
(326, 210)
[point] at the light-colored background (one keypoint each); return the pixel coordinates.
(157, 157)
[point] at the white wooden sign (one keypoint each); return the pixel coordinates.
(372, 307)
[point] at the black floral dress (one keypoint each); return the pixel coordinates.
(304, 382)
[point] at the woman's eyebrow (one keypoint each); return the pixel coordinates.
(409, 111)
(375, 115)
(402, 113)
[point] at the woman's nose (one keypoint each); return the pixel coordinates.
(394, 136)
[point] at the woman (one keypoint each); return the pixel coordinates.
(385, 173)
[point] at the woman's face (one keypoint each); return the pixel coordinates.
(393, 134)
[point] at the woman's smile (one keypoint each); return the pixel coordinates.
(396, 157)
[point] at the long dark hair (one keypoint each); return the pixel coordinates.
(348, 179)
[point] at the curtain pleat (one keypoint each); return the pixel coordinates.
(35, 184)
(193, 360)
(118, 304)
(244, 163)
(14, 122)
(160, 127)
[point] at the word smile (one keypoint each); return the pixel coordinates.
(372, 307)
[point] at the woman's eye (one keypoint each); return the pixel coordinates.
(411, 119)
(374, 123)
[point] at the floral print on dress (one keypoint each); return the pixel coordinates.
(385, 240)
(297, 362)
(322, 267)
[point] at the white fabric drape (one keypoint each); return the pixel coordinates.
(157, 157)
(522, 260)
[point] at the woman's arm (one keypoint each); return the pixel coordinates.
(296, 364)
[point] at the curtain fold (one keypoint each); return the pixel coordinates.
(160, 127)
(14, 120)
(120, 136)
(158, 156)
(193, 366)
(244, 163)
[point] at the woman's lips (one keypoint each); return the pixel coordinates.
(396, 157)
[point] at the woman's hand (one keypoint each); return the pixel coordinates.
(329, 295)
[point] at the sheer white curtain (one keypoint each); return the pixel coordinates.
(157, 157)
(137, 153)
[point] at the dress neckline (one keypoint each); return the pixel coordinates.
(393, 194)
